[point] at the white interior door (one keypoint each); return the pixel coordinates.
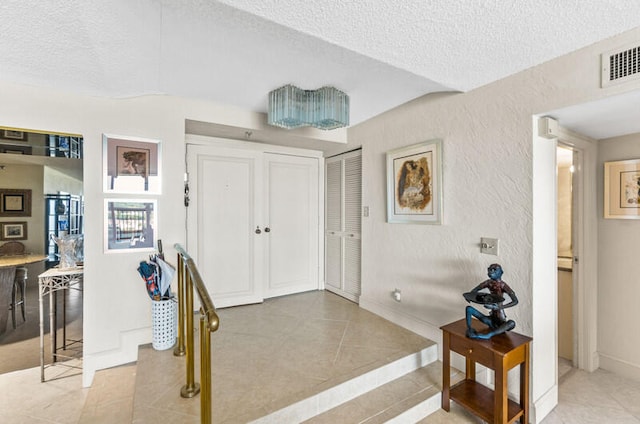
(342, 224)
(223, 215)
(291, 219)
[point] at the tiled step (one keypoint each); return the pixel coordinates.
(408, 383)
(110, 397)
(285, 361)
(407, 399)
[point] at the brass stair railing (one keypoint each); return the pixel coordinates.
(188, 279)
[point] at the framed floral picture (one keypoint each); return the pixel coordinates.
(622, 189)
(414, 184)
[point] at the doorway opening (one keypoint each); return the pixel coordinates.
(48, 168)
(566, 341)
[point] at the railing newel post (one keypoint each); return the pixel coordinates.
(205, 370)
(191, 388)
(180, 350)
(188, 275)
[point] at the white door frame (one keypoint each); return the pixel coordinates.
(586, 238)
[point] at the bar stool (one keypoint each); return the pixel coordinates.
(19, 283)
(20, 280)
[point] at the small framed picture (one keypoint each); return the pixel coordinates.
(15, 202)
(414, 184)
(130, 224)
(13, 135)
(13, 230)
(622, 189)
(131, 165)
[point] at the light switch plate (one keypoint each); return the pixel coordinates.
(489, 246)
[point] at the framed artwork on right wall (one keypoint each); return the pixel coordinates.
(622, 189)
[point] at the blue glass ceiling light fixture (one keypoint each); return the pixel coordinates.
(326, 108)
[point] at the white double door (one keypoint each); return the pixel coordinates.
(253, 222)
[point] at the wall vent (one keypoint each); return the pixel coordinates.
(620, 66)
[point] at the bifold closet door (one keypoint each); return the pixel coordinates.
(343, 204)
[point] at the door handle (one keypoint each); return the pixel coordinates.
(258, 230)
(267, 229)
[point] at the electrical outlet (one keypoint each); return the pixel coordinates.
(397, 295)
(365, 211)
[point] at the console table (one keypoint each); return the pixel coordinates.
(500, 353)
(50, 282)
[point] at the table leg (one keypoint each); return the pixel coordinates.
(40, 300)
(470, 369)
(64, 319)
(524, 386)
(500, 392)
(446, 371)
(53, 327)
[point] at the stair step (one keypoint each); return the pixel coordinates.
(103, 401)
(408, 398)
(408, 372)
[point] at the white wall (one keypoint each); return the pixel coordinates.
(117, 310)
(618, 277)
(490, 189)
(56, 181)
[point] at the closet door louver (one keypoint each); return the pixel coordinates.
(343, 224)
(333, 225)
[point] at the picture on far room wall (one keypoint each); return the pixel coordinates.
(13, 230)
(414, 184)
(622, 189)
(131, 165)
(15, 202)
(14, 135)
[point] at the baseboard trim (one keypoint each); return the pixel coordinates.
(127, 352)
(619, 366)
(544, 405)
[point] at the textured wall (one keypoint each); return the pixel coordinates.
(618, 282)
(489, 161)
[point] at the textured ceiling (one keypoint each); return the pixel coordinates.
(381, 52)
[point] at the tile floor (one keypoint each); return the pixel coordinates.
(291, 347)
(599, 397)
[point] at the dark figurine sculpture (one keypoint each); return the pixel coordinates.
(497, 319)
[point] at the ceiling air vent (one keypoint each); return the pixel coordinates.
(620, 66)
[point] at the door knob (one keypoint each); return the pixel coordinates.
(267, 229)
(258, 231)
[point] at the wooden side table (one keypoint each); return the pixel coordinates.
(500, 353)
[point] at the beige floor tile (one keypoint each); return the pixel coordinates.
(267, 355)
